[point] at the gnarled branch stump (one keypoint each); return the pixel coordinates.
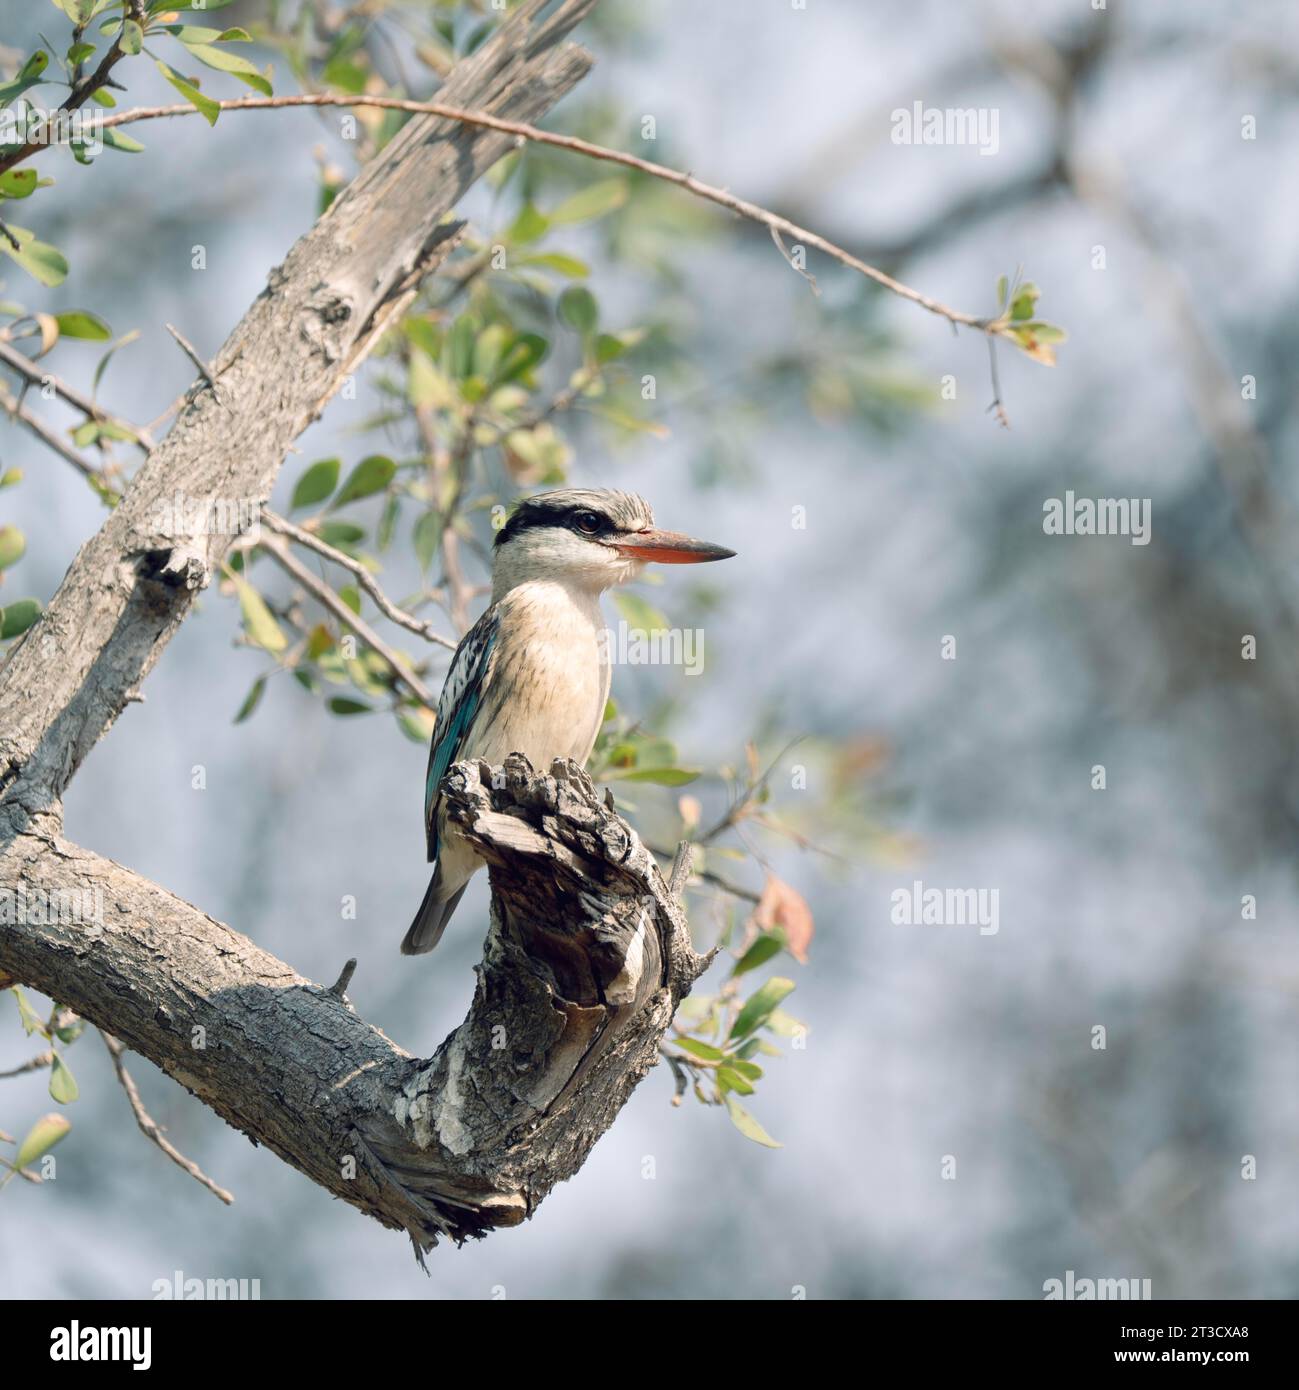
(586, 959)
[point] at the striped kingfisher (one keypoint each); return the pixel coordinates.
(532, 674)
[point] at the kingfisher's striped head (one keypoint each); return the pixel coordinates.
(591, 537)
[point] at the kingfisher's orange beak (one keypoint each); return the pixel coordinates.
(669, 548)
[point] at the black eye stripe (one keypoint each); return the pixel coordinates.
(543, 512)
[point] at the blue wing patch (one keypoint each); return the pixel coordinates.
(462, 693)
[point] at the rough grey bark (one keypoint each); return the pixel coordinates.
(587, 954)
(586, 959)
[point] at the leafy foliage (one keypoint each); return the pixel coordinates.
(497, 368)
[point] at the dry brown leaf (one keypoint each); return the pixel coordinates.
(784, 907)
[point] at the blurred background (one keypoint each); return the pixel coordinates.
(950, 1129)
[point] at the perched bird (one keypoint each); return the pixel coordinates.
(532, 674)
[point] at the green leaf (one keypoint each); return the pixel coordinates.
(28, 76)
(729, 1079)
(759, 1006)
(16, 618)
(80, 323)
(63, 1085)
(115, 140)
(1026, 297)
(425, 335)
(209, 108)
(12, 546)
(1002, 286)
(132, 38)
(760, 952)
(252, 700)
(664, 776)
(489, 348)
(596, 200)
(747, 1125)
(430, 385)
(259, 622)
(41, 1138)
(371, 475)
(317, 483)
(608, 346)
(577, 308)
(638, 613)
(417, 724)
(626, 421)
(41, 261)
(18, 183)
(78, 11)
(345, 74)
(428, 536)
(193, 33)
(525, 352)
(1043, 332)
(340, 704)
(30, 1019)
(1034, 340)
(529, 226)
(698, 1048)
(102, 366)
(342, 535)
(232, 63)
(558, 261)
(70, 1032)
(458, 349)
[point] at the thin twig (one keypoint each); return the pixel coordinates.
(363, 576)
(734, 889)
(149, 1126)
(191, 352)
(289, 563)
(776, 224)
(25, 367)
(339, 988)
(15, 408)
(37, 1063)
(458, 588)
(740, 805)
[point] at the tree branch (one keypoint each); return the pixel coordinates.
(777, 225)
(15, 408)
(292, 566)
(149, 1127)
(586, 960)
(310, 541)
(28, 369)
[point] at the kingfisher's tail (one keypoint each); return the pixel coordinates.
(433, 915)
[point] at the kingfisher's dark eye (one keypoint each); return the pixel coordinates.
(588, 523)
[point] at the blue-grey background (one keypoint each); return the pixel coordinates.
(1119, 908)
